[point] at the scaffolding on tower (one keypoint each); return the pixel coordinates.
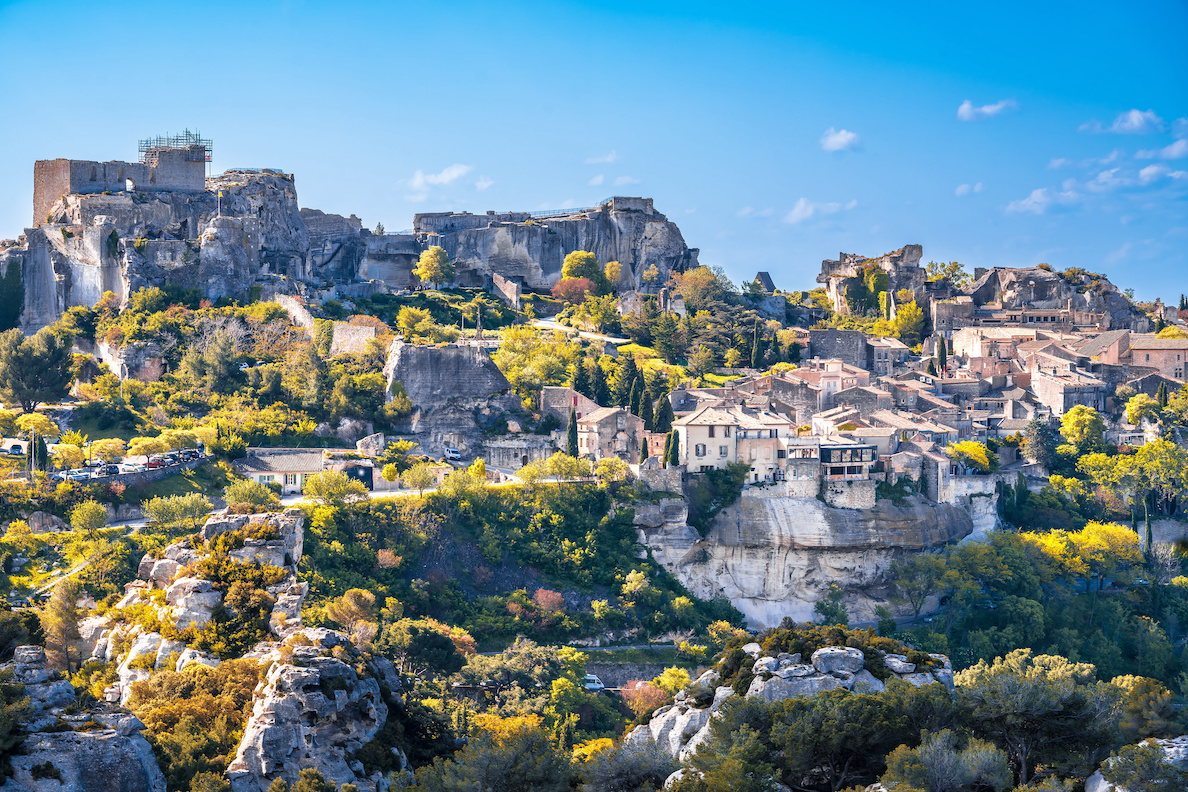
(197, 148)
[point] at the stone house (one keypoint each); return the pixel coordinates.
(716, 436)
(289, 467)
(886, 354)
(610, 431)
(559, 400)
(843, 459)
(865, 398)
(1061, 390)
(1167, 356)
(909, 426)
(852, 347)
(826, 377)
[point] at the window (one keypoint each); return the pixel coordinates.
(291, 479)
(1148, 358)
(711, 431)
(781, 453)
(725, 431)
(700, 449)
(723, 451)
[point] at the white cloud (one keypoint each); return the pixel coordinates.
(623, 180)
(1059, 162)
(1132, 122)
(966, 189)
(852, 204)
(746, 210)
(839, 139)
(1119, 254)
(968, 112)
(483, 183)
(1177, 150)
(1155, 172)
(1106, 180)
(597, 180)
(449, 174)
(804, 209)
(605, 159)
(1040, 200)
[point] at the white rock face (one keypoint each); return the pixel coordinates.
(834, 659)
(678, 729)
(189, 656)
(47, 695)
(312, 715)
(193, 601)
(1175, 751)
(88, 762)
(774, 557)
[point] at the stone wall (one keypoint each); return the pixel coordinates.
(350, 338)
(508, 290)
(851, 494)
(849, 346)
(297, 310)
(156, 474)
(433, 375)
(512, 453)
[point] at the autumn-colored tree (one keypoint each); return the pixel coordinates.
(573, 290)
(434, 266)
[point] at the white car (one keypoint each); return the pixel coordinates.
(452, 454)
(592, 682)
(132, 467)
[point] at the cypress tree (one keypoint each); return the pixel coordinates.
(942, 356)
(636, 397)
(1161, 395)
(932, 367)
(571, 438)
(581, 379)
(643, 451)
(645, 412)
(628, 373)
(1159, 325)
(662, 422)
(598, 389)
(674, 451)
(757, 351)
(794, 352)
(1183, 303)
(667, 449)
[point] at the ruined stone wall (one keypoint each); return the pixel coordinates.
(512, 453)
(297, 310)
(349, 338)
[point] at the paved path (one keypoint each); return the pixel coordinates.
(132, 525)
(553, 324)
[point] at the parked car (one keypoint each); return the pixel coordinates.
(592, 682)
(191, 453)
(107, 470)
(93, 463)
(156, 462)
(78, 475)
(172, 458)
(16, 449)
(452, 454)
(132, 467)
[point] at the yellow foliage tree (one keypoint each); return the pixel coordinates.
(434, 266)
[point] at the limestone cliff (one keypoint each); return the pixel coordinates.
(774, 557)
(1035, 287)
(531, 250)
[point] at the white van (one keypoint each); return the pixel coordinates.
(453, 454)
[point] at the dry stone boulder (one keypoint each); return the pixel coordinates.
(898, 664)
(42, 522)
(189, 656)
(219, 524)
(46, 693)
(753, 649)
(91, 630)
(193, 601)
(92, 761)
(778, 689)
(838, 659)
(866, 682)
(919, 679)
(765, 665)
(312, 715)
(672, 730)
(373, 445)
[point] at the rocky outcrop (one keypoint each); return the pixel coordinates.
(774, 557)
(433, 375)
(1036, 287)
(682, 726)
(49, 694)
(313, 710)
(90, 761)
(1175, 753)
(531, 250)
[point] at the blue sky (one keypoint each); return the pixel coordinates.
(774, 135)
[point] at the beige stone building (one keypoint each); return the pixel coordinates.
(1166, 355)
(716, 436)
(610, 431)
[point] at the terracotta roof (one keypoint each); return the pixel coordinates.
(1151, 342)
(1097, 344)
(599, 415)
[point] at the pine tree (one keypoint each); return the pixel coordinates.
(757, 352)
(571, 438)
(662, 422)
(645, 412)
(1183, 303)
(674, 451)
(794, 352)
(942, 355)
(643, 451)
(59, 620)
(598, 390)
(932, 367)
(636, 397)
(1161, 395)
(581, 379)
(1159, 325)
(667, 449)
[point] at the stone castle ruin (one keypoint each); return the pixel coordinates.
(122, 226)
(902, 267)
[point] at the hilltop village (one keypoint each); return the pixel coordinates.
(289, 503)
